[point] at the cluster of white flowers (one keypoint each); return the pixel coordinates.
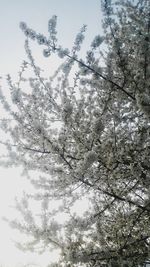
(90, 58)
(63, 52)
(15, 96)
(98, 126)
(27, 31)
(79, 39)
(68, 108)
(41, 39)
(46, 52)
(90, 158)
(28, 217)
(51, 42)
(52, 28)
(67, 66)
(62, 138)
(97, 41)
(52, 23)
(143, 101)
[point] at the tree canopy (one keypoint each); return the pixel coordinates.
(86, 130)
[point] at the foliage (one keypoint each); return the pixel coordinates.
(87, 130)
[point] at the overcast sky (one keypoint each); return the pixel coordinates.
(72, 14)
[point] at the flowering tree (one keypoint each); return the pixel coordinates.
(86, 129)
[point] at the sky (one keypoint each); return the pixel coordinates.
(72, 14)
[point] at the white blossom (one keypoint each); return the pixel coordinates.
(23, 26)
(97, 41)
(143, 101)
(90, 158)
(46, 52)
(68, 108)
(98, 126)
(16, 96)
(41, 39)
(63, 52)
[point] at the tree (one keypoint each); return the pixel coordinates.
(87, 130)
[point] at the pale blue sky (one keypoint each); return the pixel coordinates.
(72, 14)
